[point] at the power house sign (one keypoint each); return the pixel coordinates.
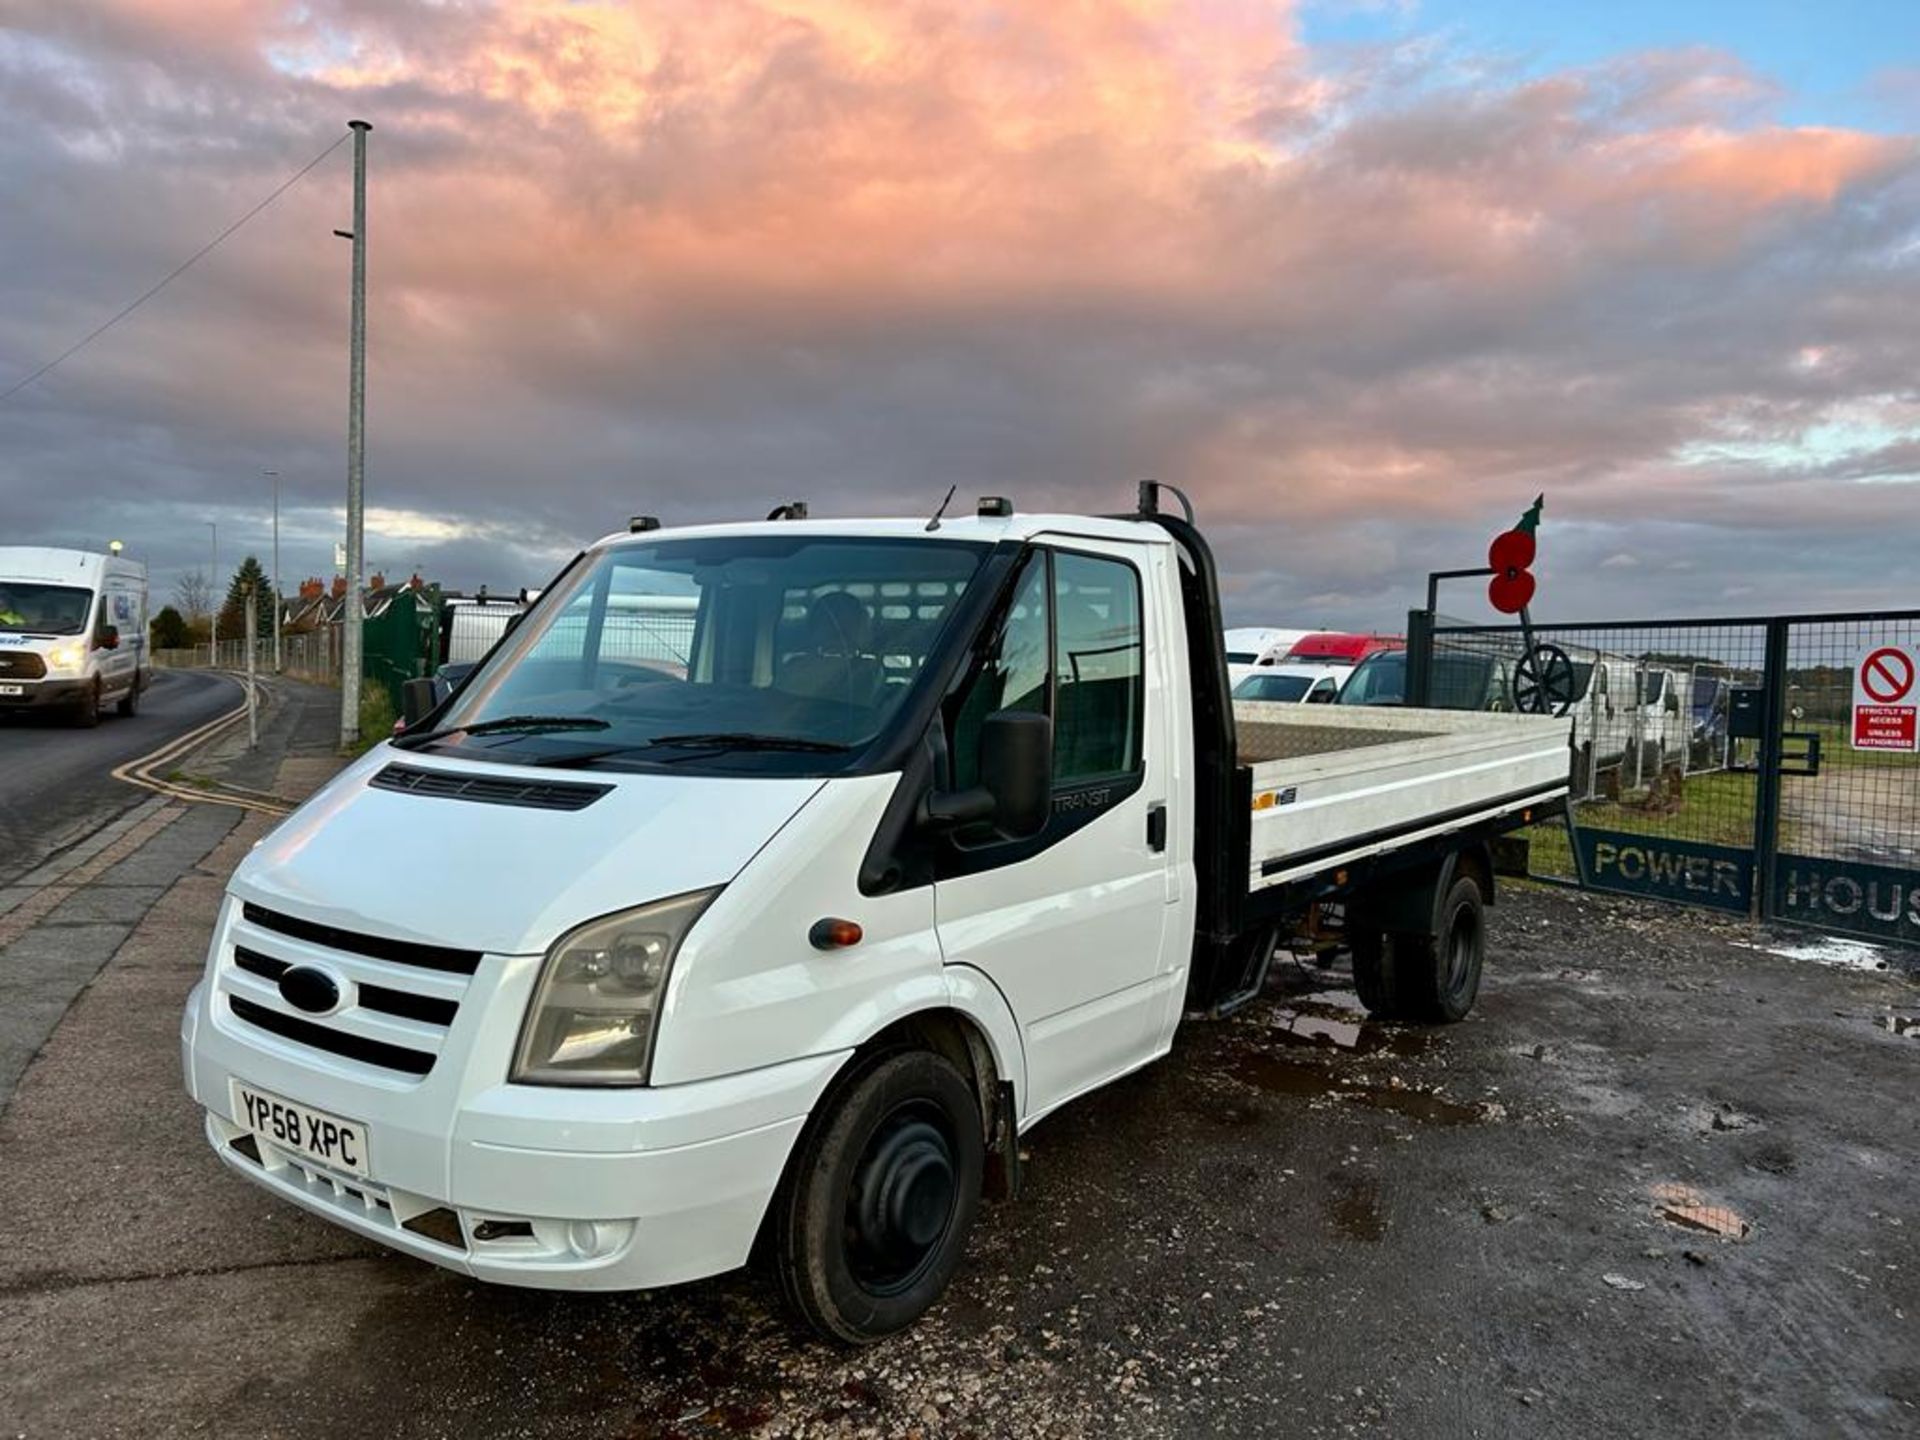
(1885, 703)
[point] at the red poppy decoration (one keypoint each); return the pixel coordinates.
(1509, 557)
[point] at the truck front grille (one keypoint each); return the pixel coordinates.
(21, 665)
(399, 998)
(378, 947)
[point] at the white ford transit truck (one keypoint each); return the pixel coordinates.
(919, 832)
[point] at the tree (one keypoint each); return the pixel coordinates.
(233, 614)
(170, 630)
(190, 595)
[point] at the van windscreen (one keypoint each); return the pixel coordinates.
(31, 608)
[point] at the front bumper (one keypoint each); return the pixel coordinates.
(40, 694)
(551, 1187)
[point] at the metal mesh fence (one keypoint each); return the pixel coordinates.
(1849, 830)
(1764, 766)
(1663, 783)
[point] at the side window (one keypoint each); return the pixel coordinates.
(1014, 677)
(1098, 666)
(1072, 650)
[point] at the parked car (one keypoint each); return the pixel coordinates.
(1292, 684)
(1251, 647)
(1460, 680)
(920, 837)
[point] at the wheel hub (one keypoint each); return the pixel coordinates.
(902, 1200)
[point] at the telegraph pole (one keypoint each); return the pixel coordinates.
(274, 475)
(356, 444)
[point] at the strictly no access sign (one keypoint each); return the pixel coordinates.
(1886, 697)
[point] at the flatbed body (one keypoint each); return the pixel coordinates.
(1333, 786)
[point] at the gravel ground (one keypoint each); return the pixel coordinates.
(1296, 1225)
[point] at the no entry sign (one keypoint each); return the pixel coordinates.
(1885, 702)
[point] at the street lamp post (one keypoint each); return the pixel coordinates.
(213, 605)
(274, 475)
(356, 443)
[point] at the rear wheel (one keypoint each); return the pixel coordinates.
(873, 1217)
(1372, 971)
(130, 702)
(1407, 976)
(1437, 976)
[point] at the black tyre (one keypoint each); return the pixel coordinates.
(873, 1217)
(1373, 975)
(130, 702)
(1436, 977)
(87, 714)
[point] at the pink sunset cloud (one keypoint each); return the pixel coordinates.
(866, 250)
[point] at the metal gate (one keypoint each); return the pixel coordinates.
(1715, 762)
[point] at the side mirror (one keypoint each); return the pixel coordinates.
(110, 637)
(417, 699)
(513, 623)
(1015, 791)
(1321, 697)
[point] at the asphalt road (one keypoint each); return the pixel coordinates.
(56, 780)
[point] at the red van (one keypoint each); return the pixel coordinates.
(1330, 647)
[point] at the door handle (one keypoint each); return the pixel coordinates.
(1156, 827)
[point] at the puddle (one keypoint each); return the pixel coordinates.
(1353, 1208)
(1327, 1020)
(1686, 1207)
(1280, 1076)
(1831, 951)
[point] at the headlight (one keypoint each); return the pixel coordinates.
(593, 1014)
(71, 656)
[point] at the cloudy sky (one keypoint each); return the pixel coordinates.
(1362, 276)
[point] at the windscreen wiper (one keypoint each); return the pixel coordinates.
(747, 740)
(526, 724)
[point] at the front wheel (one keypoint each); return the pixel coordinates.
(880, 1196)
(87, 714)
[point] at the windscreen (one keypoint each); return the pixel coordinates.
(740, 645)
(1457, 682)
(27, 607)
(1289, 688)
(1378, 680)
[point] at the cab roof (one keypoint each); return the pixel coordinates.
(988, 529)
(56, 566)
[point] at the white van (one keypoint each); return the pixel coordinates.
(73, 632)
(1629, 717)
(807, 922)
(1255, 645)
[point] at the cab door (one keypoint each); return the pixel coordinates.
(117, 664)
(1070, 924)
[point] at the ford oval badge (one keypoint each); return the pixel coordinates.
(310, 989)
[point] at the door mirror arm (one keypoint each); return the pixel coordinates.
(957, 808)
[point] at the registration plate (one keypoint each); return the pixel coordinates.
(13, 689)
(341, 1144)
